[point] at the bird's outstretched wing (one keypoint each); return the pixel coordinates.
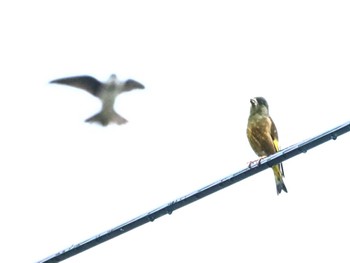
(131, 84)
(87, 83)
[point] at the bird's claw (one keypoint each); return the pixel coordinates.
(257, 162)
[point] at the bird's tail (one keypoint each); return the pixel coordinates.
(105, 118)
(279, 174)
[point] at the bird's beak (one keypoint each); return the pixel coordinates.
(253, 101)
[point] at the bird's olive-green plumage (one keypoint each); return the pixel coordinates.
(263, 137)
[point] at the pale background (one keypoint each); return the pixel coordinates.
(63, 180)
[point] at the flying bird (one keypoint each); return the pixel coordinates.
(106, 92)
(263, 137)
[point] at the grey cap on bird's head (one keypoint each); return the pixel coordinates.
(259, 105)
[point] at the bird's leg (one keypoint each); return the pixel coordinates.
(258, 161)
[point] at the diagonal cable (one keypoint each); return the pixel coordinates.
(265, 163)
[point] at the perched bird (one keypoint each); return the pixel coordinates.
(263, 137)
(106, 92)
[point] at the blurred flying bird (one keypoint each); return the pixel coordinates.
(106, 92)
(263, 137)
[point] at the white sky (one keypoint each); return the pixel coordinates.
(63, 180)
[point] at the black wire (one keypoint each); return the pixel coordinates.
(265, 163)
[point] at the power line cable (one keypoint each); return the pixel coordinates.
(265, 163)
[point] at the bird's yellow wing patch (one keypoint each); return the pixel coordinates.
(275, 144)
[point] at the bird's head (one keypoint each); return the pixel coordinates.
(259, 105)
(112, 82)
(112, 79)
